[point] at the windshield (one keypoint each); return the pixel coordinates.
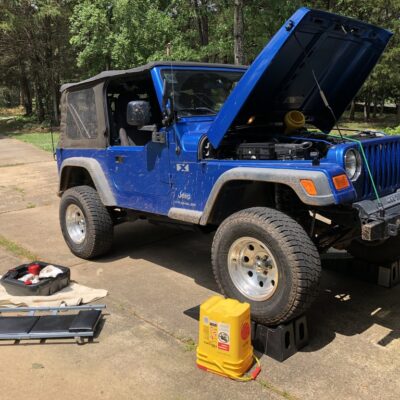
(199, 92)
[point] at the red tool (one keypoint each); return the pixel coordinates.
(34, 269)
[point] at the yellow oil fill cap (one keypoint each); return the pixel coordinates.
(294, 120)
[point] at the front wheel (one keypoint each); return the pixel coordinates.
(85, 222)
(265, 258)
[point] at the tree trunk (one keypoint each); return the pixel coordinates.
(352, 110)
(26, 97)
(238, 33)
(369, 110)
(56, 117)
(365, 112)
(382, 107)
(375, 109)
(39, 96)
(398, 113)
(202, 23)
(7, 99)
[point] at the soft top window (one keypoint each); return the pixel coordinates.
(81, 114)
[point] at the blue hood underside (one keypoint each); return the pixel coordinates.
(311, 46)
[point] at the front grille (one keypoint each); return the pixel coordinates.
(383, 157)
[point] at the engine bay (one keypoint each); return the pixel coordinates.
(261, 145)
(254, 146)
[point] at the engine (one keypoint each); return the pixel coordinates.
(276, 151)
(277, 148)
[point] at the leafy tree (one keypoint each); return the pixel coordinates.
(34, 38)
(47, 42)
(384, 82)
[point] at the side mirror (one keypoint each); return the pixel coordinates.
(138, 113)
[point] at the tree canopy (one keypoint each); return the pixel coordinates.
(47, 42)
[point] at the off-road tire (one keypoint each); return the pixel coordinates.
(376, 253)
(298, 262)
(99, 225)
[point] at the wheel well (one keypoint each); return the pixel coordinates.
(238, 195)
(75, 176)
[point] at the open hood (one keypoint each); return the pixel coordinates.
(339, 51)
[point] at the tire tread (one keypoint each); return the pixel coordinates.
(304, 257)
(100, 222)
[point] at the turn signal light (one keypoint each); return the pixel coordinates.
(309, 186)
(341, 182)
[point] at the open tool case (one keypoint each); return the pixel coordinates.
(45, 287)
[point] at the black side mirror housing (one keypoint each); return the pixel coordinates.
(138, 113)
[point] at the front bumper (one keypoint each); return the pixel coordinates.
(379, 219)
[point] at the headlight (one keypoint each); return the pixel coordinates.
(352, 163)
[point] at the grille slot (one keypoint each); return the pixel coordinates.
(384, 162)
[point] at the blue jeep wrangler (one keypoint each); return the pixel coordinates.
(245, 152)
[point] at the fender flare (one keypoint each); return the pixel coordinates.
(96, 172)
(289, 177)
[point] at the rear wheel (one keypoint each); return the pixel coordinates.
(85, 222)
(265, 258)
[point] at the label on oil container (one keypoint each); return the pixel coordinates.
(213, 333)
(224, 336)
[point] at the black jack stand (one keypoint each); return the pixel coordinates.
(282, 341)
(385, 274)
(278, 342)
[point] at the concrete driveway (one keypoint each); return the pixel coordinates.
(146, 347)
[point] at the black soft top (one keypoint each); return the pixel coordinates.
(102, 76)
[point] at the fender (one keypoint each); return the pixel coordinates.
(287, 177)
(96, 173)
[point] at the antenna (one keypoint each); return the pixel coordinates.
(52, 141)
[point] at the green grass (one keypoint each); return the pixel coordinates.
(38, 139)
(27, 130)
(190, 344)
(384, 123)
(16, 249)
(274, 389)
(10, 165)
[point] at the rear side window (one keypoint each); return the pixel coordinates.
(81, 115)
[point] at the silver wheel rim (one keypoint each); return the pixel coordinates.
(253, 268)
(76, 223)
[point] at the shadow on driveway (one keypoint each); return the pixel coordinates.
(347, 305)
